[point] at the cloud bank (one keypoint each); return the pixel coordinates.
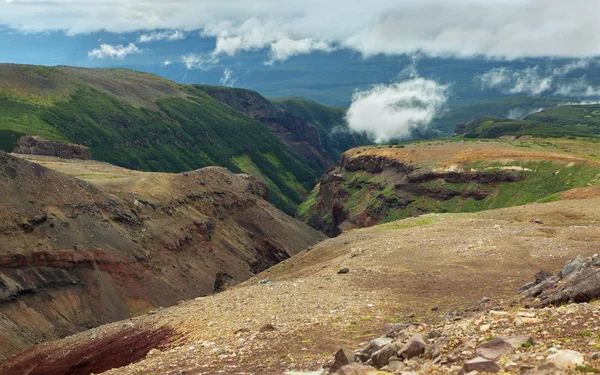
(495, 28)
(391, 112)
(119, 52)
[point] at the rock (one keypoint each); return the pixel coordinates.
(343, 270)
(573, 267)
(479, 365)
(318, 372)
(396, 331)
(566, 359)
(33, 145)
(381, 357)
(518, 341)
(435, 350)
(523, 321)
(494, 349)
(357, 369)
(413, 348)
(595, 356)
(267, 328)
(340, 360)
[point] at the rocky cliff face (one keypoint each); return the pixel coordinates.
(380, 184)
(33, 145)
(74, 255)
(300, 135)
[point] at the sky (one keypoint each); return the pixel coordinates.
(223, 42)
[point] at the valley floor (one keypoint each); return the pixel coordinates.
(298, 313)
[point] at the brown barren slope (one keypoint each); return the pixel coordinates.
(75, 254)
(397, 272)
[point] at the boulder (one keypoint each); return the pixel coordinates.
(479, 365)
(566, 359)
(32, 145)
(339, 361)
(494, 349)
(413, 348)
(381, 357)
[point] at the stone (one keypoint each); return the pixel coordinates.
(566, 359)
(381, 357)
(494, 349)
(340, 360)
(396, 330)
(518, 341)
(357, 369)
(343, 271)
(523, 321)
(595, 356)
(267, 328)
(573, 267)
(413, 348)
(479, 365)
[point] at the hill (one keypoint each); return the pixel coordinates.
(331, 122)
(513, 107)
(561, 121)
(422, 275)
(384, 183)
(85, 243)
(144, 122)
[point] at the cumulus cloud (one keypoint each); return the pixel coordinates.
(390, 112)
(499, 28)
(107, 51)
(167, 63)
(162, 35)
(228, 79)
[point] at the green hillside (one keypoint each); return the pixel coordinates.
(144, 122)
(561, 121)
(335, 135)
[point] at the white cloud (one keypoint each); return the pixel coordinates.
(579, 88)
(162, 35)
(114, 52)
(495, 28)
(531, 81)
(526, 81)
(389, 112)
(196, 61)
(167, 63)
(228, 79)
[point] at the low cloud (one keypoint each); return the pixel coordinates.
(118, 52)
(580, 88)
(391, 112)
(162, 35)
(167, 63)
(535, 81)
(198, 61)
(228, 79)
(527, 81)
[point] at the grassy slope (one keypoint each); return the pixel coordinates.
(561, 121)
(185, 130)
(497, 108)
(542, 182)
(335, 135)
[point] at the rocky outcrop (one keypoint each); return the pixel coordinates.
(33, 145)
(387, 184)
(74, 255)
(578, 281)
(300, 135)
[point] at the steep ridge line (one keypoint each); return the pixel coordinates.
(77, 254)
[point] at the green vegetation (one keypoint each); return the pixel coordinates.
(180, 132)
(496, 108)
(335, 135)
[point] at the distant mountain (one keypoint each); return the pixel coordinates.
(144, 122)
